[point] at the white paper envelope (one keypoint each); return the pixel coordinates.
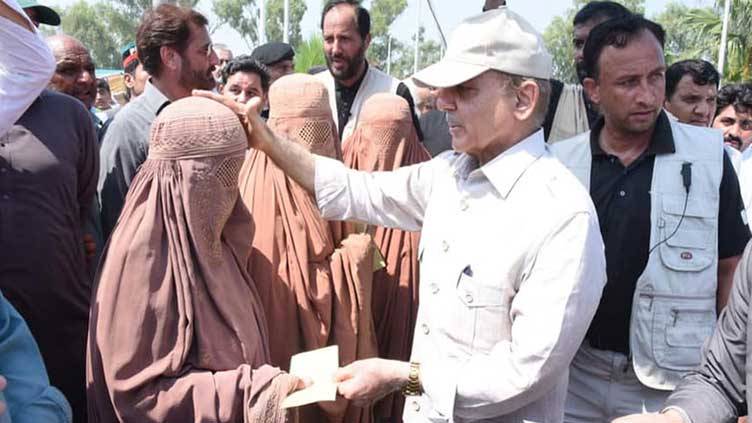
(319, 367)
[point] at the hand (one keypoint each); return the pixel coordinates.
(90, 246)
(3, 406)
(669, 416)
(248, 114)
(366, 381)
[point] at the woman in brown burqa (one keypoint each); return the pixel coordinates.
(177, 332)
(385, 140)
(314, 286)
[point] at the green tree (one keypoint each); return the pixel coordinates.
(558, 38)
(706, 24)
(310, 53)
(240, 15)
(383, 14)
(682, 43)
(403, 55)
(101, 27)
(275, 18)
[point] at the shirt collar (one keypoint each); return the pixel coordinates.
(508, 167)
(153, 98)
(662, 141)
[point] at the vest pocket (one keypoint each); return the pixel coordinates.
(681, 325)
(691, 248)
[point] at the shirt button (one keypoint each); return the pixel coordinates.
(425, 329)
(434, 288)
(469, 298)
(6, 197)
(3, 170)
(622, 193)
(445, 246)
(416, 406)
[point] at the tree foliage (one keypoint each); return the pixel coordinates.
(706, 25)
(240, 15)
(275, 20)
(310, 53)
(558, 38)
(383, 14)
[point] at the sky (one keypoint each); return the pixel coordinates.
(449, 13)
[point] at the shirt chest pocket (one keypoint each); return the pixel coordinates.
(486, 313)
(688, 234)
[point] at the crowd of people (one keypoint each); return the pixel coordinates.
(483, 242)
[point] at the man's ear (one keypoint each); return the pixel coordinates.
(526, 98)
(170, 58)
(591, 89)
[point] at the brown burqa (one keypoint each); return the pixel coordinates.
(177, 332)
(385, 140)
(314, 287)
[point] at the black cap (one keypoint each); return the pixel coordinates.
(271, 53)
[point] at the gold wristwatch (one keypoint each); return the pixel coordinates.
(413, 387)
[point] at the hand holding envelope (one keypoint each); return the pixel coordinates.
(318, 368)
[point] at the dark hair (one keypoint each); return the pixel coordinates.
(103, 84)
(702, 72)
(166, 26)
(737, 95)
(363, 17)
(244, 63)
(600, 10)
(131, 68)
(618, 33)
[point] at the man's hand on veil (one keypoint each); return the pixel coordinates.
(249, 116)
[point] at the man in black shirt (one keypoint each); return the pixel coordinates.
(670, 213)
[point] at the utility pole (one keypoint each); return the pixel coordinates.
(389, 55)
(724, 37)
(262, 22)
(417, 37)
(286, 36)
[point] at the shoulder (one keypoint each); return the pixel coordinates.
(62, 103)
(558, 190)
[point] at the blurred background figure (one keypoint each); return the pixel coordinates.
(134, 75)
(244, 78)
(224, 55)
(279, 59)
(40, 14)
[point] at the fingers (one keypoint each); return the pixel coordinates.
(255, 105)
(3, 383)
(344, 373)
(227, 101)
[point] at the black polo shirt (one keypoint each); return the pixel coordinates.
(622, 199)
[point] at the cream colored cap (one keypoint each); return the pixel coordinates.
(495, 40)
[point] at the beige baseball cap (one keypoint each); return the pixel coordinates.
(498, 39)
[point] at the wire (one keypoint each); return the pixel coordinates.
(681, 219)
(438, 25)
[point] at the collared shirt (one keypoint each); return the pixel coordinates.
(345, 97)
(124, 148)
(512, 268)
(26, 66)
(622, 197)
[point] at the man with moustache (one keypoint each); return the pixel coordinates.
(734, 115)
(174, 47)
(570, 112)
(670, 213)
(691, 91)
(346, 27)
(75, 72)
